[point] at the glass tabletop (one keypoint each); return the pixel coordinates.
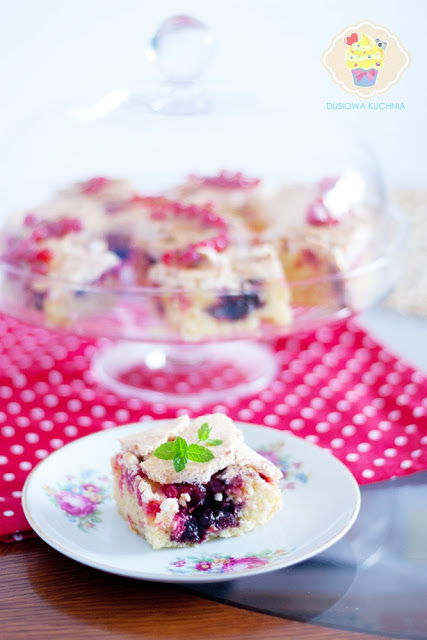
(373, 581)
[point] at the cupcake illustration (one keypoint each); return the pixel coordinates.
(364, 58)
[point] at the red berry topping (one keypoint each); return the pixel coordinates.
(44, 255)
(31, 220)
(226, 180)
(318, 215)
(94, 185)
(56, 229)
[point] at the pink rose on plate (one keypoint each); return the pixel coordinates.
(251, 562)
(75, 504)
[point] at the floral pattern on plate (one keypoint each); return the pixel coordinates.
(225, 564)
(79, 497)
(293, 472)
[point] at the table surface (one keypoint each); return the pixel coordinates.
(46, 595)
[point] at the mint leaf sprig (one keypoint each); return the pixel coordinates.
(180, 451)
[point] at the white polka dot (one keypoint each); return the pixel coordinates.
(418, 412)
(378, 368)
(359, 418)
(307, 412)
(384, 425)
(369, 411)
(368, 473)
(71, 431)
(98, 411)
(411, 428)
(3, 416)
(5, 392)
(385, 390)
(271, 420)
(334, 417)
(353, 365)
(108, 424)
(324, 334)
(343, 405)
(267, 396)
(51, 400)
(417, 453)
(64, 390)
(8, 432)
(363, 354)
(312, 438)
(326, 393)
(245, 414)
(40, 454)
(403, 400)
(16, 494)
(384, 356)
(320, 370)
(369, 378)
(32, 438)
(55, 377)
(406, 464)
(282, 409)
(84, 421)
(25, 466)
(378, 403)
(375, 435)
(348, 430)
(302, 390)
(74, 405)
(400, 441)
(22, 421)
(60, 417)
(292, 400)
(364, 447)
(37, 413)
(379, 462)
(393, 378)
(17, 449)
(297, 424)
(158, 408)
(395, 415)
(337, 443)
(322, 427)
(89, 395)
(296, 366)
(347, 339)
(318, 403)
(417, 377)
(3, 460)
(27, 395)
(55, 443)
(8, 477)
(46, 425)
(255, 405)
(310, 379)
(390, 453)
(8, 513)
(352, 457)
(14, 408)
(330, 360)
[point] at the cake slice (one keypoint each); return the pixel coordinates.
(180, 502)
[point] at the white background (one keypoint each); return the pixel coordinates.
(54, 49)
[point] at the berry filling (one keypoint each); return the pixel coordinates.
(205, 508)
(235, 306)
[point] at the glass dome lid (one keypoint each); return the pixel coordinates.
(190, 234)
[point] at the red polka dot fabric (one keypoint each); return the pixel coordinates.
(336, 387)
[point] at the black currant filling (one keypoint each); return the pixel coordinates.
(212, 507)
(236, 306)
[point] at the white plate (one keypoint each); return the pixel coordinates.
(67, 501)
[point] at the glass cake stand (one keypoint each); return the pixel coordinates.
(145, 357)
(127, 135)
